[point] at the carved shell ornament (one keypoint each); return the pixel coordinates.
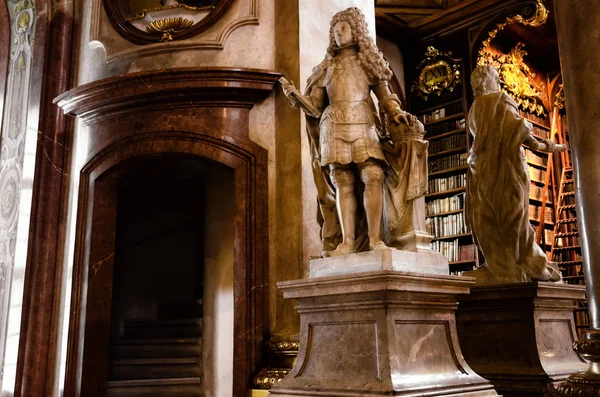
(152, 21)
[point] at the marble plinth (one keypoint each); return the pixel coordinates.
(520, 336)
(384, 333)
(426, 261)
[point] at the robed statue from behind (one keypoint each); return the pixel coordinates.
(497, 201)
(364, 186)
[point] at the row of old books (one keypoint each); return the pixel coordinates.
(582, 318)
(548, 236)
(537, 174)
(535, 158)
(445, 226)
(450, 142)
(441, 206)
(440, 113)
(448, 162)
(536, 192)
(541, 132)
(453, 251)
(534, 213)
(446, 126)
(451, 182)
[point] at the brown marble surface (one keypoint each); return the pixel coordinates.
(183, 112)
(520, 336)
(40, 313)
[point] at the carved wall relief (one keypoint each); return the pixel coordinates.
(19, 24)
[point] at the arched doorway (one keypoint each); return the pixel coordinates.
(197, 113)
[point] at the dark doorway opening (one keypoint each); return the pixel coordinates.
(156, 339)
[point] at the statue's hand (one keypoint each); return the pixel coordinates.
(288, 87)
(406, 118)
(560, 148)
(401, 117)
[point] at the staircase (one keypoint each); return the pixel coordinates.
(156, 358)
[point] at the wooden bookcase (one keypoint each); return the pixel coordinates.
(443, 113)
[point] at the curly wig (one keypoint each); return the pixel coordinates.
(369, 56)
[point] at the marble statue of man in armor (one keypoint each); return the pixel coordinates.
(349, 162)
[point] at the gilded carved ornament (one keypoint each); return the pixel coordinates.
(516, 78)
(168, 26)
(438, 72)
(559, 102)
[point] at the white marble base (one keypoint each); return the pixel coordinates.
(428, 262)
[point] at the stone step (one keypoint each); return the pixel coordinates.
(153, 368)
(183, 328)
(182, 387)
(156, 348)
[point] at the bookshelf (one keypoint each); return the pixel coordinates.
(441, 107)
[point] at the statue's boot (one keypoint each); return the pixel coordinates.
(342, 249)
(377, 246)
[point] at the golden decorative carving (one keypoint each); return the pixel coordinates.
(282, 356)
(560, 97)
(169, 26)
(284, 346)
(516, 78)
(438, 72)
(145, 11)
(267, 377)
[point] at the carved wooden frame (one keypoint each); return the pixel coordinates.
(137, 36)
(146, 114)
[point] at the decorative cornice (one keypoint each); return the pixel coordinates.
(172, 88)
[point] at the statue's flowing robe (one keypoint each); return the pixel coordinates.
(497, 201)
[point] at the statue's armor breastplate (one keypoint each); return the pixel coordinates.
(348, 92)
(347, 128)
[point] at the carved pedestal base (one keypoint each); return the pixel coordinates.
(383, 333)
(520, 336)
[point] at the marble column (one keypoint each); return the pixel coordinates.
(578, 31)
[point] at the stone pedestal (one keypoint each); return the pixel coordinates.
(379, 333)
(520, 336)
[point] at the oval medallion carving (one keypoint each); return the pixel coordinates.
(152, 21)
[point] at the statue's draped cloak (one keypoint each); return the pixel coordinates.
(497, 202)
